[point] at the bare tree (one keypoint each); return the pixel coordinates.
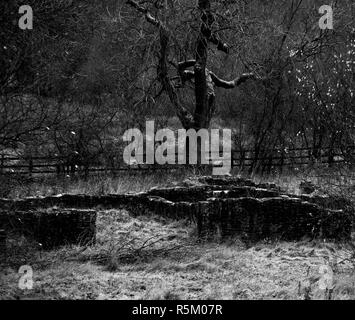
(196, 70)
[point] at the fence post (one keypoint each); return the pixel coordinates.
(58, 167)
(30, 167)
(232, 160)
(330, 157)
(2, 241)
(282, 161)
(2, 163)
(242, 154)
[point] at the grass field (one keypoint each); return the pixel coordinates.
(339, 180)
(150, 257)
(174, 265)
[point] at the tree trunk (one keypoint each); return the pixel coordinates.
(201, 109)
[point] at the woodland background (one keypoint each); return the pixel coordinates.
(91, 69)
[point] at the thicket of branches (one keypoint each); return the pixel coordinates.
(91, 69)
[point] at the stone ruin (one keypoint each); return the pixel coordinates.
(51, 228)
(220, 207)
(224, 207)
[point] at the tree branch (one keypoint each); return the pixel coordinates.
(186, 64)
(183, 114)
(163, 75)
(187, 75)
(208, 20)
(234, 83)
(145, 11)
(222, 46)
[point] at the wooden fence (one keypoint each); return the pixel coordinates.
(264, 160)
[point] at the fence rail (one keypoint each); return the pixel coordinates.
(264, 160)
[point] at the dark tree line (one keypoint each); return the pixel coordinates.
(91, 69)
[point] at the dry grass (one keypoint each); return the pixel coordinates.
(337, 181)
(155, 258)
(94, 185)
(174, 266)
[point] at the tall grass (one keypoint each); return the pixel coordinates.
(335, 181)
(99, 184)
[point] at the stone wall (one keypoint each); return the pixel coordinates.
(52, 228)
(219, 206)
(271, 218)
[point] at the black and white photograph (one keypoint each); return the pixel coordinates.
(192, 151)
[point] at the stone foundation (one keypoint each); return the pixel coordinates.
(52, 228)
(271, 218)
(220, 207)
